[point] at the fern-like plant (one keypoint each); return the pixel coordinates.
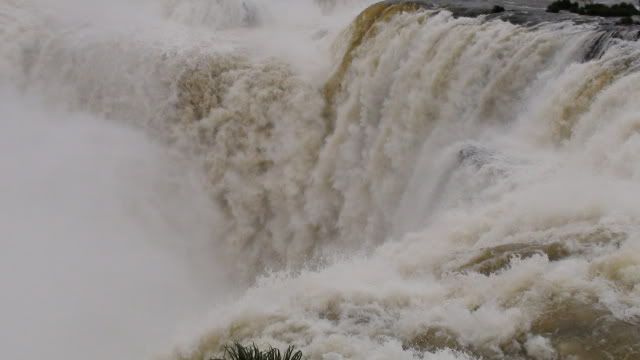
(238, 351)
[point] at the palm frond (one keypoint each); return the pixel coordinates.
(237, 351)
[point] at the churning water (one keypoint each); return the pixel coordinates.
(363, 181)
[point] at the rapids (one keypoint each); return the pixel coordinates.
(392, 180)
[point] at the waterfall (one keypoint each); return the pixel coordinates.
(384, 182)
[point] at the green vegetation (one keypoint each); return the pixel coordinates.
(615, 10)
(238, 351)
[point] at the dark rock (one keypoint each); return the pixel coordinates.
(615, 10)
(558, 5)
(627, 20)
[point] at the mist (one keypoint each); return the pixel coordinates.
(104, 238)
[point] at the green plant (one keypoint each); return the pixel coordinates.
(237, 351)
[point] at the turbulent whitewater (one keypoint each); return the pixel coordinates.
(362, 180)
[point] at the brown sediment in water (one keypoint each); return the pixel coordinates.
(491, 260)
(574, 329)
(229, 111)
(497, 258)
(434, 339)
(362, 28)
(438, 338)
(588, 331)
(563, 128)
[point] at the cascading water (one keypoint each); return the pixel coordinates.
(403, 183)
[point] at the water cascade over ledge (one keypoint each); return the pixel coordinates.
(400, 180)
